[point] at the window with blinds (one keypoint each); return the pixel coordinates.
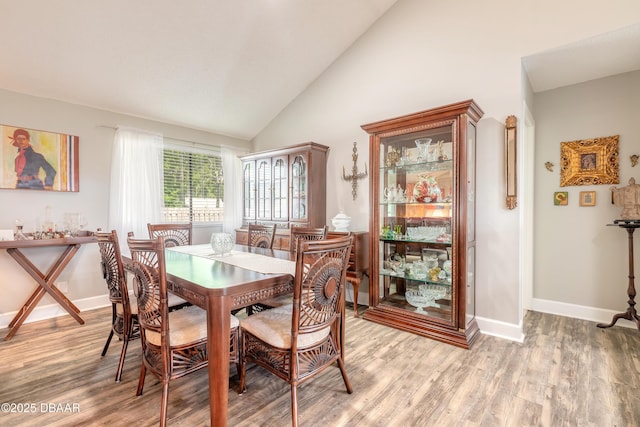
(193, 186)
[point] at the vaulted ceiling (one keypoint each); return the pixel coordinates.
(604, 55)
(224, 66)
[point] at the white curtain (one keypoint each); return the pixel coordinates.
(136, 183)
(232, 169)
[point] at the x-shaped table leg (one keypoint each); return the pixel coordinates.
(45, 284)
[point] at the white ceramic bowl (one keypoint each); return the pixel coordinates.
(341, 222)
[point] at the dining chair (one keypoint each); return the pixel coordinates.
(298, 341)
(174, 343)
(297, 233)
(261, 236)
(124, 316)
(353, 276)
(175, 234)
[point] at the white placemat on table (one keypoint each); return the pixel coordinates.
(255, 262)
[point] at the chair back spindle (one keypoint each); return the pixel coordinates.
(173, 234)
(124, 317)
(299, 340)
(321, 268)
(149, 285)
(261, 236)
(304, 233)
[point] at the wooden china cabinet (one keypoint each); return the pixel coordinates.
(285, 186)
(422, 227)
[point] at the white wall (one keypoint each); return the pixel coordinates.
(424, 54)
(581, 265)
(526, 184)
(95, 129)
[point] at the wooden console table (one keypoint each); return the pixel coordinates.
(630, 314)
(358, 261)
(45, 281)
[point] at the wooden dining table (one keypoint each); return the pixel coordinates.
(219, 287)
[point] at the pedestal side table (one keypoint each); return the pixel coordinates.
(630, 314)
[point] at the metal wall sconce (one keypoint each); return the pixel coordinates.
(511, 160)
(355, 175)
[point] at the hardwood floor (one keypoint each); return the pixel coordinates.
(568, 372)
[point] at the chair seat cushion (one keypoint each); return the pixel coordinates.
(279, 301)
(133, 306)
(274, 327)
(186, 325)
(173, 301)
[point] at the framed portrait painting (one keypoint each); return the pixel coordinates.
(589, 161)
(33, 159)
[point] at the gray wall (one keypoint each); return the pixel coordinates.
(421, 55)
(96, 130)
(580, 263)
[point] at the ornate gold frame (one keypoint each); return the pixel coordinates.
(589, 161)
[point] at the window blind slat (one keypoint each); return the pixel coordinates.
(193, 186)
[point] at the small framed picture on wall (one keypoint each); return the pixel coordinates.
(587, 198)
(561, 198)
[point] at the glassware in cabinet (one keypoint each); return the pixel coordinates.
(423, 222)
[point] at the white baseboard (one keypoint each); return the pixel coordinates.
(514, 332)
(43, 312)
(496, 328)
(487, 326)
(599, 315)
(509, 331)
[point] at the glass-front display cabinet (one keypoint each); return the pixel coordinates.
(422, 226)
(286, 187)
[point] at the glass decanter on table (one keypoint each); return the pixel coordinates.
(19, 234)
